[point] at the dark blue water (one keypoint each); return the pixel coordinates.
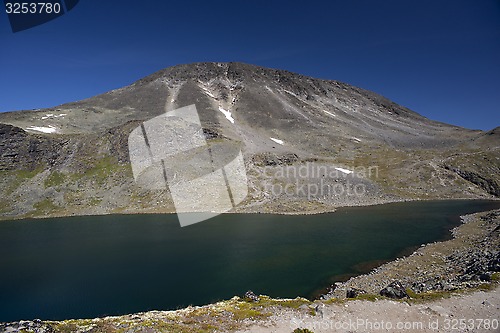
(83, 267)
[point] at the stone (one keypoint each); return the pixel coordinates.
(484, 277)
(486, 303)
(494, 265)
(353, 292)
(394, 290)
(249, 295)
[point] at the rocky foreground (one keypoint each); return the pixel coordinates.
(449, 286)
(469, 260)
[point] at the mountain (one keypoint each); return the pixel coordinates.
(74, 159)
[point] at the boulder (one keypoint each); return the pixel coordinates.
(249, 295)
(353, 292)
(484, 277)
(494, 264)
(394, 290)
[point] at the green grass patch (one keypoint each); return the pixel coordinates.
(56, 178)
(181, 326)
(44, 207)
(102, 170)
(95, 201)
(295, 303)
(428, 295)
(486, 286)
(335, 300)
(28, 174)
(244, 312)
(17, 177)
(5, 206)
(257, 310)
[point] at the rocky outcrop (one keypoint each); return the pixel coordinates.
(278, 119)
(394, 290)
(250, 295)
(469, 260)
(32, 326)
(482, 180)
(353, 292)
(21, 150)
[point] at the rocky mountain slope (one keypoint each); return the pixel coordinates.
(73, 159)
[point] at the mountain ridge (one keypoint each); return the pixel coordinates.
(73, 159)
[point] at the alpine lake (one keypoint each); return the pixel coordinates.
(92, 266)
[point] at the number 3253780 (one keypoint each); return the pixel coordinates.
(33, 8)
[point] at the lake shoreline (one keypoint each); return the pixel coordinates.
(244, 210)
(478, 232)
(461, 262)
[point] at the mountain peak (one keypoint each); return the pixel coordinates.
(274, 100)
(76, 156)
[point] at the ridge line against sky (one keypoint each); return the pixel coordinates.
(438, 58)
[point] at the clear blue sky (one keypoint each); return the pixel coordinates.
(440, 58)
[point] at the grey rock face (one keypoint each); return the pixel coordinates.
(74, 158)
(354, 292)
(250, 295)
(394, 290)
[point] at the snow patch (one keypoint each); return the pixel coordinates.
(278, 141)
(356, 139)
(291, 93)
(51, 116)
(331, 114)
(227, 114)
(344, 170)
(50, 129)
(208, 92)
